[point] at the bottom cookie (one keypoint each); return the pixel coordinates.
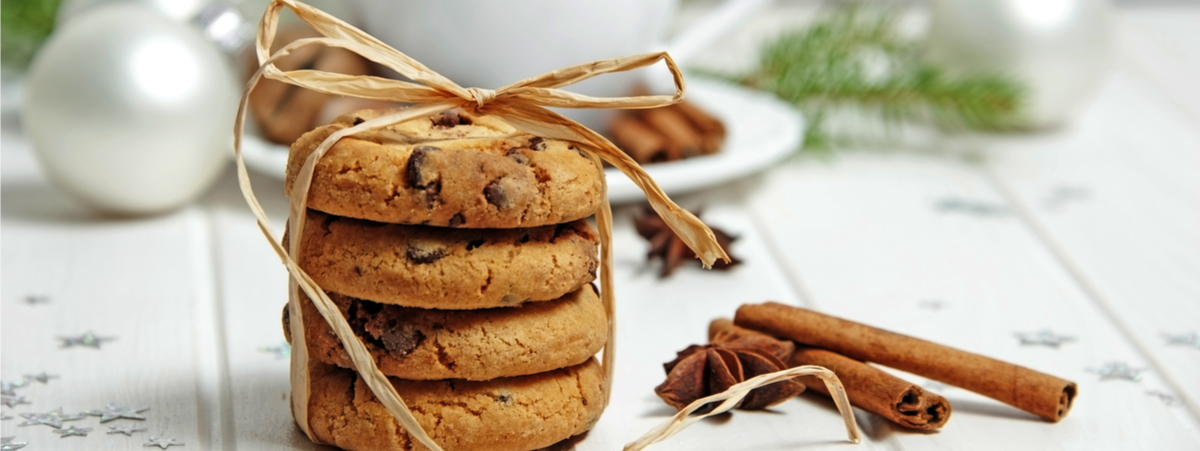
(507, 414)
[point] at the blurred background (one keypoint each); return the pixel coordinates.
(85, 75)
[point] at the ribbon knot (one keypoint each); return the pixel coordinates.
(482, 96)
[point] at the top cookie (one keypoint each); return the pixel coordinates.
(449, 170)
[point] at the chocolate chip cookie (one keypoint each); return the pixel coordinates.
(451, 170)
(507, 414)
(444, 268)
(423, 344)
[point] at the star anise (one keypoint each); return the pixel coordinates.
(665, 245)
(700, 371)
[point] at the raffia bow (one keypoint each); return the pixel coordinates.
(522, 104)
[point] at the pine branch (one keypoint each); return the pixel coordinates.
(855, 59)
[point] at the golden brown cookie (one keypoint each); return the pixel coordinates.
(444, 268)
(423, 344)
(508, 414)
(450, 170)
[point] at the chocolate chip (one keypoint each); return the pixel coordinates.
(474, 244)
(494, 193)
(457, 220)
(505, 398)
(450, 119)
(400, 341)
(524, 238)
(537, 143)
(358, 120)
(423, 254)
(414, 173)
(519, 158)
(412, 169)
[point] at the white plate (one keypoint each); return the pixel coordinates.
(760, 131)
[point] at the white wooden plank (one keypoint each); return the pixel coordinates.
(882, 238)
(253, 290)
(1131, 233)
(138, 280)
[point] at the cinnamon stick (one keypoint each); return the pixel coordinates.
(878, 392)
(676, 127)
(640, 141)
(869, 388)
(712, 131)
(1038, 393)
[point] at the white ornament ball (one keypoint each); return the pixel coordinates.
(130, 111)
(1060, 49)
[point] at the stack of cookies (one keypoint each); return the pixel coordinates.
(459, 252)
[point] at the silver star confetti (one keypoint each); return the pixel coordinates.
(7, 444)
(114, 411)
(12, 401)
(1044, 337)
(53, 419)
(1190, 340)
(43, 377)
(282, 352)
(1166, 398)
(1063, 195)
(36, 299)
(127, 429)
(6, 388)
(932, 304)
(88, 339)
(82, 432)
(1118, 370)
(971, 207)
(162, 442)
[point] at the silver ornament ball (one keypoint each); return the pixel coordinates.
(1059, 49)
(130, 111)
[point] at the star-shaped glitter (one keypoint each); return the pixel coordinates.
(282, 352)
(1044, 337)
(12, 401)
(127, 429)
(53, 419)
(36, 299)
(88, 339)
(1118, 370)
(1065, 194)
(6, 388)
(112, 411)
(1166, 398)
(932, 304)
(43, 377)
(7, 444)
(162, 442)
(82, 432)
(1190, 340)
(971, 207)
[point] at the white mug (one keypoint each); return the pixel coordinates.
(491, 43)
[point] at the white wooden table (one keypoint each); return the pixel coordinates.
(1092, 231)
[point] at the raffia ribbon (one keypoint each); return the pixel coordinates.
(521, 104)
